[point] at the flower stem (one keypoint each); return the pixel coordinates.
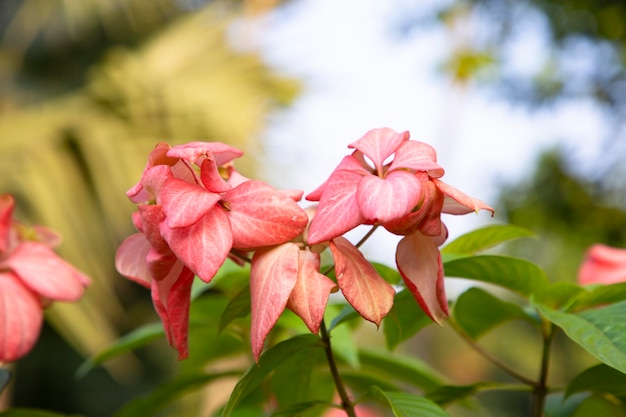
(367, 236)
(541, 389)
(346, 402)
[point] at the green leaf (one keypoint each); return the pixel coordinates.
(518, 275)
(599, 331)
(404, 320)
(344, 346)
(476, 311)
(409, 405)
(295, 410)
(387, 273)
(31, 412)
(237, 307)
(347, 314)
(560, 294)
(485, 238)
(402, 368)
(137, 338)
(600, 295)
(291, 381)
(5, 378)
(268, 361)
(447, 394)
(152, 403)
(599, 406)
(363, 381)
(598, 379)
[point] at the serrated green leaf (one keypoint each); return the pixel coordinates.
(238, 306)
(268, 361)
(600, 295)
(518, 275)
(485, 238)
(600, 379)
(407, 369)
(448, 394)
(476, 311)
(404, 320)
(136, 338)
(294, 410)
(154, 402)
(387, 273)
(601, 331)
(409, 405)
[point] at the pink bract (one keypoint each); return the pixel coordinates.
(603, 265)
(31, 276)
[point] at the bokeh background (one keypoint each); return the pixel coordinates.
(525, 102)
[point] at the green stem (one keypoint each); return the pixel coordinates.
(346, 402)
(541, 389)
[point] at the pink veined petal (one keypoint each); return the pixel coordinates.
(21, 315)
(419, 263)
(359, 282)
(338, 210)
(204, 245)
(379, 144)
(6, 217)
(158, 156)
(417, 156)
(160, 264)
(149, 187)
(603, 265)
(457, 202)
(130, 259)
(386, 199)
(196, 152)
(171, 297)
(426, 217)
(259, 215)
(348, 163)
(45, 273)
(184, 203)
(273, 275)
(211, 178)
(151, 217)
(310, 294)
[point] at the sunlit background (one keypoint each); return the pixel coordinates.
(525, 102)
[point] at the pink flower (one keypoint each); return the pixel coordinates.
(31, 277)
(194, 208)
(603, 265)
(393, 181)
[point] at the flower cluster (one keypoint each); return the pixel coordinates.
(32, 275)
(195, 210)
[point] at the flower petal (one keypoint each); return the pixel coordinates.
(603, 265)
(21, 315)
(6, 217)
(259, 215)
(379, 144)
(211, 178)
(130, 259)
(426, 218)
(348, 163)
(338, 210)
(417, 156)
(196, 152)
(273, 275)
(310, 294)
(457, 202)
(360, 284)
(184, 203)
(204, 245)
(45, 273)
(419, 263)
(384, 200)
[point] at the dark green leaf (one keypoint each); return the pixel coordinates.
(31, 412)
(560, 294)
(402, 368)
(295, 410)
(409, 405)
(291, 381)
(599, 379)
(404, 320)
(346, 315)
(268, 361)
(485, 238)
(518, 275)
(152, 403)
(600, 331)
(476, 311)
(238, 306)
(601, 294)
(137, 338)
(387, 273)
(447, 394)
(5, 377)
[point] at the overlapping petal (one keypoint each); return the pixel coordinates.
(130, 259)
(457, 202)
(360, 284)
(419, 263)
(273, 275)
(417, 156)
(389, 198)
(379, 144)
(185, 203)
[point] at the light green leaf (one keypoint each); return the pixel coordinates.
(238, 306)
(387, 273)
(347, 314)
(344, 346)
(476, 311)
(485, 238)
(600, 331)
(268, 361)
(518, 275)
(137, 338)
(154, 402)
(600, 295)
(404, 320)
(560, 294)
(598, 379)
(409, 405)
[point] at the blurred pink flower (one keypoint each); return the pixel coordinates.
(603, 265)
(31, 277)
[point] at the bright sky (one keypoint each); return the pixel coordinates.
(359, 74)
